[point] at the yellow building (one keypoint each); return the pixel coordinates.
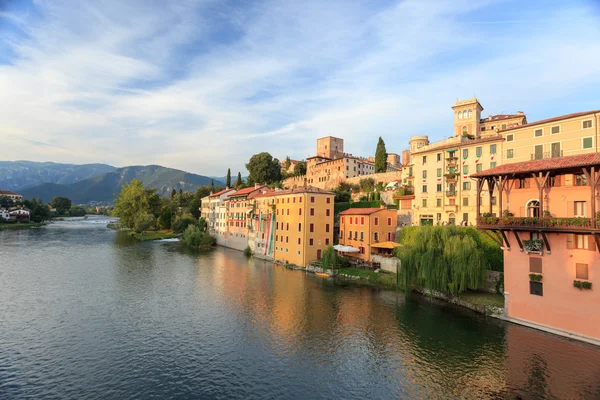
(444, 192)
(296, 225)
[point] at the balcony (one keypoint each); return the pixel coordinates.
(451, 208)
(452, 177)
(450, 193)
(452, 160)
(546, 154)
(575, 225)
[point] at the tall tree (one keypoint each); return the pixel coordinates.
(212, 185)
(288, 163)
(228, 179)
(173, 193)
(239, 181)
(380, 156)
(300, 168)
(263, 168)
(135, 201)
(62, 204)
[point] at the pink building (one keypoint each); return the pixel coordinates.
(550, 232)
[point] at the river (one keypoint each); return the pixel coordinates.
(87, 313)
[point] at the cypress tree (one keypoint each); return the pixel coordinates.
(380, 156)
(228, 179)
(239, 181)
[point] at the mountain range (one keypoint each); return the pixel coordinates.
(102, 187)
(19, 175)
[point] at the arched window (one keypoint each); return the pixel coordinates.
(460, 115)
(470, 113)
(465, 131)
(533, 208)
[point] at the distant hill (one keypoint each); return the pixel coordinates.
(19, 175)
(104, 188)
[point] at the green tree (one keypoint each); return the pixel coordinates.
(228, 179)
(288, 163)
(445, 259)
(144, 222)
(381, 157)
(212, 185)
(300, 168)
(38, 211)
(173, 193)
(77, 211)
(62, 204)
(133, 201)
(263, 168)
(194, 237)
(239, 181)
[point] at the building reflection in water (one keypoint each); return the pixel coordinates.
(414, 348)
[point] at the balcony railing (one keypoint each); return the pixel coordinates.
(576, 223)
(451, 177)
(452, 159)
(450, 193)
(547, 154)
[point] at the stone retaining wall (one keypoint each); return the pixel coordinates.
(387, 263)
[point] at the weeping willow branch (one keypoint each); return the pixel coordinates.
(442, 258)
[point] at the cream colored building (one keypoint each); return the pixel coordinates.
(440, 172)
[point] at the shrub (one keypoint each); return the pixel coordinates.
(144, 222)
(193, 237)
(181, 223)
(248, 252)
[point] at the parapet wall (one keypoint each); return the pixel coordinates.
(383, 177)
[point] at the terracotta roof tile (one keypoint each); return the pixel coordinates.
(580, 160)
(560, 118)
(245, 191)
(3, 192)
(361, 211)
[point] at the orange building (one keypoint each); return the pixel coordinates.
(296, 225)
(363, 228)
(550, 233)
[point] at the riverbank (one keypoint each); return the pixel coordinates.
(491, 304)
(26, 225)
(146, 236)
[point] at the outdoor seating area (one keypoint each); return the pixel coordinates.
(358, 263)
(384, 249)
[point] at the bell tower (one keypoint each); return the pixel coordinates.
(467, 115)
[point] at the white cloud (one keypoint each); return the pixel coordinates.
(201, 86)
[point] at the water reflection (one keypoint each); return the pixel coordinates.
(93, 313)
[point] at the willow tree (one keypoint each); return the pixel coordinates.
(442, 258)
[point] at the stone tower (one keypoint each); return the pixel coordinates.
(467, 114)
(330, 147)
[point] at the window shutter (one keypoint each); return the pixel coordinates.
(570, 238)
(591, 243)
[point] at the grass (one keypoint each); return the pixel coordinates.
(153, 235)
(25, 225)
(382, 278)
(483, 299)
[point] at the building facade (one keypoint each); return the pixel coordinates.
(362, 228)
(11, 195)
(440, 172)
(550, 233)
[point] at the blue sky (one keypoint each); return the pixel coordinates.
(203, 85)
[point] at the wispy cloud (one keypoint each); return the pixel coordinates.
(202, 85)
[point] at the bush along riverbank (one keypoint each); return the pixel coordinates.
(20, 225)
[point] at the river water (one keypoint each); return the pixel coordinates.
(87, 313)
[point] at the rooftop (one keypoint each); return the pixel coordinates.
(560, 118)
(5, 192)
(361, 211)
(549, 164)
(468, 142)
(221, 192)
(499, 117)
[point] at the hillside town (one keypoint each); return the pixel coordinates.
(530, 186)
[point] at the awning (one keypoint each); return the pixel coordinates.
(346, 249)
(386, 245)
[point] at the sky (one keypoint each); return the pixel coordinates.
(203, 85)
